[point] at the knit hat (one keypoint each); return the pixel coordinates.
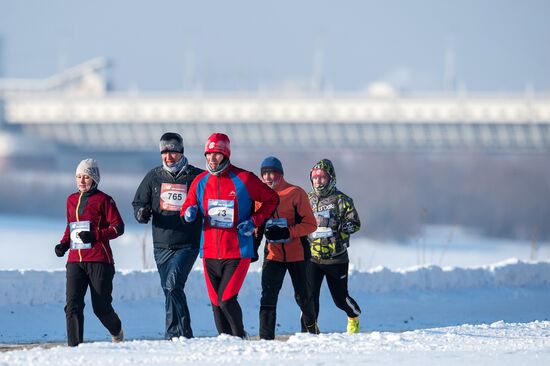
(90, 168)
(218, 142)
(171, 142)
(272, 163)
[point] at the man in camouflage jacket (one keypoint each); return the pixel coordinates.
(337, 219)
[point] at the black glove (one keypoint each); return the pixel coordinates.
(143, 214)
(61, 249)
(86, 236)
(277, 233)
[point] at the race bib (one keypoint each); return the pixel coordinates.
(172, 196)
(75, 228)
(221, 213)
(322, 231)
(280, 222)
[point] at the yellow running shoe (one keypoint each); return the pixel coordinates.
(353, 325)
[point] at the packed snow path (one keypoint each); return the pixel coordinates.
(497, 344)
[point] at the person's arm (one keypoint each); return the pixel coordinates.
(142, 200)
(307, 223)
(269, 199)
(116, 225)
(350, 222)
(190, 203)
(258, 235)
(66, 238)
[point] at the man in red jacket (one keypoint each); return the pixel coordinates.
(225, 196)
(92, 220)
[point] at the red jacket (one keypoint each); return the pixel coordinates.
(225, 201)
(294, 206)
(105, 223)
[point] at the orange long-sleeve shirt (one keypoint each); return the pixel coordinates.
(293, 205)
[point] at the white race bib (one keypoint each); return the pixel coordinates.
(322, 231)
(75, 228)
(221, 213)
(172, 196)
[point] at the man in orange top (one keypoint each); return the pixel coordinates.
(286, 247)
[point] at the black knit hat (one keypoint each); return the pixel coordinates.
(171, 142)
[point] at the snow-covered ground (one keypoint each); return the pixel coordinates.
(495, 344)
(458, 309)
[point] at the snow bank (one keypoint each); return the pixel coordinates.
(42, 287)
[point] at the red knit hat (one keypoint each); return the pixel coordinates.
(218, 142)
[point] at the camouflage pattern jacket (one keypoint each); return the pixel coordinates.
(337, 219)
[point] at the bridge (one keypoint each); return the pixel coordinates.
(76, 109)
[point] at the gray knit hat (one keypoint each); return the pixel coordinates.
(171, 142)
(89, 167)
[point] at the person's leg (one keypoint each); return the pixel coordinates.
(314, 280)
(101, 288)
(273, 274)
(176, 270)
(233, 275)
(302, 295)
(162, 259)
(212, 274)
(337, 281)
(77, 284)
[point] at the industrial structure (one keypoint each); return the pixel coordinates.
(76, 108)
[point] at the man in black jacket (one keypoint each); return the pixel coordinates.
(160, 196)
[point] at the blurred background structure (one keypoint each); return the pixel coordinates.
(434, 113)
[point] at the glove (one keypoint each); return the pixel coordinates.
(61, 249)
(143, 214)
(86, 236)
(246, 228)
(277, 233)
(191, 213)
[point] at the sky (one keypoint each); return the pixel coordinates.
(481, 45)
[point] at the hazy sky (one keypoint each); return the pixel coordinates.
(499, 45)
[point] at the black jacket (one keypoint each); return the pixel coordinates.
(168, 230)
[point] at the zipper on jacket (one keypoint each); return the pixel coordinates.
(78, 219)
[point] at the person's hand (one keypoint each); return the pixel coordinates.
(86, 236)
(61, 249)
(143, 215)
(191, 213)
(246, 228)
(277, 233)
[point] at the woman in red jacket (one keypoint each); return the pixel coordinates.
(92, 220)
(225, 196)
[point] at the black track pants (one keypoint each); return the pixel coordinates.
(337, 281)
(273, 274)
(99, 277)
